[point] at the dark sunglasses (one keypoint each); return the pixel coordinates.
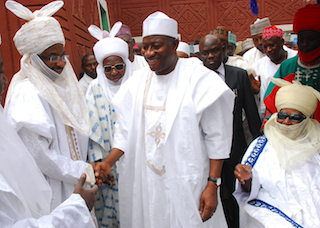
(118, 67)
(293, 117)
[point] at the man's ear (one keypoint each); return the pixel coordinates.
(175, 43)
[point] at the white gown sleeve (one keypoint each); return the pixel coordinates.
(50, 162)
(71, 213)
(241, 196)
(216, 123)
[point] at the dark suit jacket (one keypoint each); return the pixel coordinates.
(238, 81)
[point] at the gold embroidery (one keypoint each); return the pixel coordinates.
(158, 134)
(155, 170)
(73, 143)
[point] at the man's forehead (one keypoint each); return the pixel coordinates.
(155, 38)
(89, 58)
(125, 36)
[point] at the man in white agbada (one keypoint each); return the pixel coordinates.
(266, 67)
(45, 104)
(279, 181)
(174, 129)
(25, 195)
(113, 69)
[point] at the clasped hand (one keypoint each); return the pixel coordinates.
(243, 173)
(101, 172)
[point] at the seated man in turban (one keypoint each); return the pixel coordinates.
(45, 104)
(305, 67)
(279, 181)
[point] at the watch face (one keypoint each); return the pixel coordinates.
(218, 182)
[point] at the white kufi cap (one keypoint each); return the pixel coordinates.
(159, 23)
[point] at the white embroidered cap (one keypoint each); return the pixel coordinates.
(41, 32)
(159, 23)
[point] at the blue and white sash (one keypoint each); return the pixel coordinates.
(252, 159)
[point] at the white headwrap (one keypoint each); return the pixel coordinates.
(299, 142)
(108, 45)
(160, 24)
(184, 47)
(61, 91)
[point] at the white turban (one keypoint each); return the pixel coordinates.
(184, 47)
(296, 96)
(109, 45)
(41, 32)
(62, 92)
(160, 24)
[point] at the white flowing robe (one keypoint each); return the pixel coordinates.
(296, 193)
(267, 69)
(139, 62)
(198, 119)
(71, 213)
(253, 55)
(25, 195)
(43, 132)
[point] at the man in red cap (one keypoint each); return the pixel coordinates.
(305, 67)
(266, 67)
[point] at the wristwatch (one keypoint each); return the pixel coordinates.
(217, 181)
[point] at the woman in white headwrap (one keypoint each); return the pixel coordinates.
(279, 178)
(44, 103)
(113, 69)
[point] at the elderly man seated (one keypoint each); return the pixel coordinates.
(278, 180)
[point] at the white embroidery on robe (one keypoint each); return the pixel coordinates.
(158, 134)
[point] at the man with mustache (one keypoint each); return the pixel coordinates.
(273, 43)
(212, 53)
(45, 104)
(173, 131)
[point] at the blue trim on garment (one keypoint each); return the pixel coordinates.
(262, 204)
(257, 150)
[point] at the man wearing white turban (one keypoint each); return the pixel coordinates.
(278, 180)
(114, 68)
(45, 104)
(25, 195)
(174, 128)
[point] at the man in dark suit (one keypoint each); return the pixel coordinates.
(212, 53)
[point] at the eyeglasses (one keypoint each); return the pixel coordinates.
(293, 117)
(56, 59)
(118, 67)
(128, 41)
